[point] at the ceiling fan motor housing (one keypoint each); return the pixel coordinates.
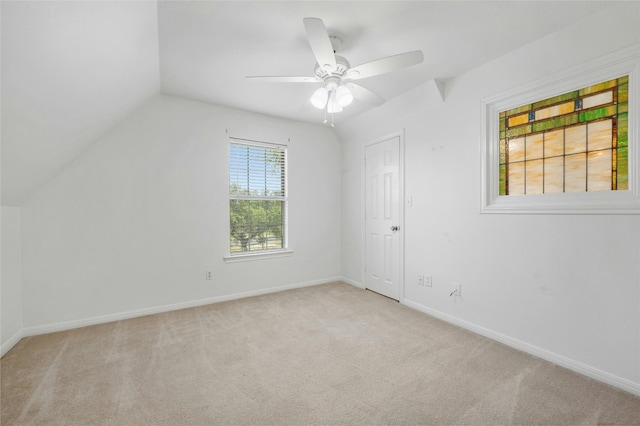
(325, 72)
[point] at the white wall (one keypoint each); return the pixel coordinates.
(132, 225)
(10, 279)
(564, 287)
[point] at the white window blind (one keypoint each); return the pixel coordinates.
(257, 196)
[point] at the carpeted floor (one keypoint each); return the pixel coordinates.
(329, 354)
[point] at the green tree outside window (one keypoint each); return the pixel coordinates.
(257, 204)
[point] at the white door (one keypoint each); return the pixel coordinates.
(382, 218)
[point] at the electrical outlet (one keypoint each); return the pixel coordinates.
(208, 275)
(420, 279)
(428, 280)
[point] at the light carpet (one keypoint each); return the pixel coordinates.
(328, 354)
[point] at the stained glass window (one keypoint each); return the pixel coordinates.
(573, 142)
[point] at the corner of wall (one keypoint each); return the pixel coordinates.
(352, 282)
(11, 278)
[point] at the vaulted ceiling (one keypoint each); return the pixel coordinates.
(72, 70)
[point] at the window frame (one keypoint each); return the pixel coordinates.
(615, 65)
(268, 253)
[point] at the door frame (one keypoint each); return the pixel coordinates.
(401, 199)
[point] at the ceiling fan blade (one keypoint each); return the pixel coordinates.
(320, 42)
(385, 65)
(283, 79)
(365, 95)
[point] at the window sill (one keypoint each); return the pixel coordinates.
(605, 202)
(246, 257)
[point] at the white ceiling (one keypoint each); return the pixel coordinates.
(71, 70)
(207, 48)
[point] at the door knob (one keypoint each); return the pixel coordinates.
(394, 228)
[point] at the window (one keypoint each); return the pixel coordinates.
(568, 144)
(257, 197)
(576, 141)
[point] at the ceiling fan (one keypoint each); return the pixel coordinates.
(335, 73)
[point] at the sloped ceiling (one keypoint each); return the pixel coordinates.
(71, 70)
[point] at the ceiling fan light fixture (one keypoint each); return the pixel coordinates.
(333, 106)
(319, 98)
(344, 96)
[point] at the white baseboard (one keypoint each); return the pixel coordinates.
(68, 325)
(6, 346)
(351, 282)
(578, 367)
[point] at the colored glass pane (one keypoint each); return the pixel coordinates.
(518, 119)
(624, 107)
(553, 175)
(599, 135)
(516, 178)
(597, 100)
(614, 166)
(534, 146)
(597, 113)
(575, 139)
(623, 123)
(623, 93)
(599, 170)
(503, 151)
(554, 111)
(555, 100)
(502, 124)
(534, 181)
(516, 150)
(575, 173)
(518, 110)
(554, 143)
(598, 87)
(503, 179)
(622, 173)
(518, 131)
(566, 120)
